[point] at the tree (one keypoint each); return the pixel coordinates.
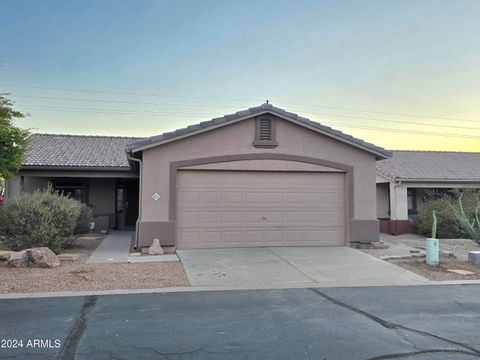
(13, 141)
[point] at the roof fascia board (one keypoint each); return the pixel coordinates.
(384, 176)
(196, 132)
(249, 116)
(75, 168)
(433, 181)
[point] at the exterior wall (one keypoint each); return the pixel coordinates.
(101, 198)
(14, 187)
(383, 201)
(101, 192)
(263, 165)
(237, 139)
(30, 183)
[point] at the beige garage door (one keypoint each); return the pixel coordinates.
(218, 209)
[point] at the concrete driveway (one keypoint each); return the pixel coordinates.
(291, 266)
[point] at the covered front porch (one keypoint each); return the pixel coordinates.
(113, 197)
(398, 202)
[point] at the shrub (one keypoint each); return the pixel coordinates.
(43, 218)
(83, 219)
(470, 224)
(448, 226)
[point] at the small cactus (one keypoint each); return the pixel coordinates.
(434, 225)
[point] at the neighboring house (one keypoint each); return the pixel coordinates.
(259, 177)
(408, 178)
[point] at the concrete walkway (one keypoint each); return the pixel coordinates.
(115, 248)
(291, 266)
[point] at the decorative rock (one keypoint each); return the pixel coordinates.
(18, 259)
(155, 248)
(68, 257)
(461, 272)
(474, 257)
(447, 254)
(42, 257)
(4, 255)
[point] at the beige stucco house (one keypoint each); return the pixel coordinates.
(259, 177)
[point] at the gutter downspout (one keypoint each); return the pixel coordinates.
(140, 168)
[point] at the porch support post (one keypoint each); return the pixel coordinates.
(398, 201)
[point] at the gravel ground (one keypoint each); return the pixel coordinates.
(440, 273)
(78, 276)
(400, 245)
(81, 277)
(460, 247)
(84, 245)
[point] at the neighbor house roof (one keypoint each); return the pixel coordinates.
(431, 166)
(45, 150)
(254, 111)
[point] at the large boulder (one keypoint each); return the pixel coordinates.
(18, 259)
(41, 257)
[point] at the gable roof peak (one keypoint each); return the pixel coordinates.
(379, 152)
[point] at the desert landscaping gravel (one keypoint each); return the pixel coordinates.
(401, 245)
(78, 276)
(460, 247)
(82, 277)
(439, 272)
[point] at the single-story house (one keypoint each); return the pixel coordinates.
(259, 177)
(408, 178)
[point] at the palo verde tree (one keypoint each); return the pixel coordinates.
(13, 141)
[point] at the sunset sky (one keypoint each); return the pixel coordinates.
(395, 73)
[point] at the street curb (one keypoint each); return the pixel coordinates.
(220, 288)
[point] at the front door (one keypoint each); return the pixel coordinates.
(127, 203)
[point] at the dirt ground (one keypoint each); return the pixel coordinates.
(78, 276)
(459, 247)
(82, 277)
(439, 272)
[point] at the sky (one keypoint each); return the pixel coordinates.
(400, 74)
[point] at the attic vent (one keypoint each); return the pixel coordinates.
(265, 132)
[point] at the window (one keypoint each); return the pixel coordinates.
(73, 189)
(265, 132)
(412, 201)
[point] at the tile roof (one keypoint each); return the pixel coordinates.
(431, 165)
(77, 151)
(255, 111)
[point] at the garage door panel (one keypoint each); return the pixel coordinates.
(235, 209)
(212, 197)
(232, 197)
(232, 217)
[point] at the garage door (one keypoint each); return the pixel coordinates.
(218, 209)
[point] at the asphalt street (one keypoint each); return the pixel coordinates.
(412, 322)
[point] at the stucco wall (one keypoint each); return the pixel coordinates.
(237, 139)
(31, 183)
(383, 201)
(101, 198)
(13, 187)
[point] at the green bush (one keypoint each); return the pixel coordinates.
(448, 226)
(83, 219)
(43, 218)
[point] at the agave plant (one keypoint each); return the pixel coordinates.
(471, 225)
